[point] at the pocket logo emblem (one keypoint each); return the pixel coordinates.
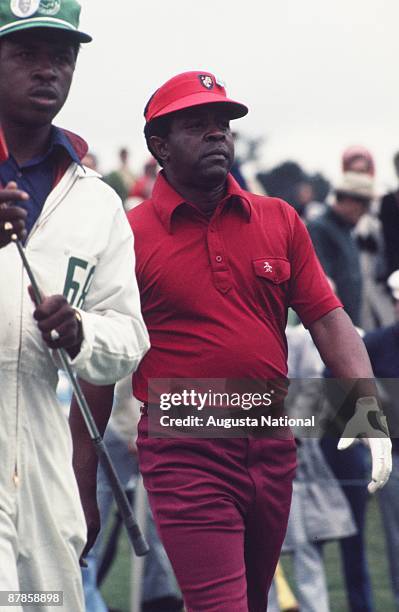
(267, 267)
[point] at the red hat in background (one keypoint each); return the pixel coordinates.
(357, 152)
(3, 148)
(191, 89)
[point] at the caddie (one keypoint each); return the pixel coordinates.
(217, 269)
(80, 247)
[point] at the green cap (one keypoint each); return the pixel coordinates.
(17, 15)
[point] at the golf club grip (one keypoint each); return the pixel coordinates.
(136, 538)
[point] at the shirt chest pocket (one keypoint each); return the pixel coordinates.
(271, 276)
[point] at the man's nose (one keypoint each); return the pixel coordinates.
(45, 69)
(215, 133)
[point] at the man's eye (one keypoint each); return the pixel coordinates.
(63, 58)
(25, 54)
(195, 124)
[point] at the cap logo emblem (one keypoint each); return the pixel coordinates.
(267, 267)
(49, 7)
(24, 8)
(206, 81)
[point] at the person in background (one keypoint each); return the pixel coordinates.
(319, 509)
(383, 349)
(142, 187)
(334, 243)
(121, 179)
(376, 308)
(337, 249)
(124, 170)
(389, 215)
(90, 160)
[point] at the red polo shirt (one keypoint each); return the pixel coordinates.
(215, 291)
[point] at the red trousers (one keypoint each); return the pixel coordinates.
(221, 508)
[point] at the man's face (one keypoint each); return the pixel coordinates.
(356, 209)
(199, 149)
(36, 69)
(352, 209)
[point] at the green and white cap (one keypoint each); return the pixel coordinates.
(17, 15)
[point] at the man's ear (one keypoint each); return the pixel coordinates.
(159, 148)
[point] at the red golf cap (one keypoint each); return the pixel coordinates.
(191, 89)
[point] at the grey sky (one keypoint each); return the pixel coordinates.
(317, 76)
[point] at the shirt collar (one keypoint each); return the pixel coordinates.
(166, 200)
(60, 139)
(74, 147)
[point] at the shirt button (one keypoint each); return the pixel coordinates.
(219, 258)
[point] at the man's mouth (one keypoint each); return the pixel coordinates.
(43, 96)
(217, 154)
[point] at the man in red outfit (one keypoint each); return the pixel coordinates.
(217, 269)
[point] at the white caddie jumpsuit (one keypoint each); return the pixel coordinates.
(81, 246)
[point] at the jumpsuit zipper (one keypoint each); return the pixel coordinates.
(15, 477)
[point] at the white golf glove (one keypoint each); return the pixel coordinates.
(370, 423)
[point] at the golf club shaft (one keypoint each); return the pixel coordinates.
(136, 538)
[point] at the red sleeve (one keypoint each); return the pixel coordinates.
(311, 295)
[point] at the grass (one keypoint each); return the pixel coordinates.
(116, 587)
(378, 566)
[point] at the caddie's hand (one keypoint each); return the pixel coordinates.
(369, 422)
(12, 218)
(59, 323)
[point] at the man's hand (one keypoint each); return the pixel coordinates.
(12, 218)
(369, 422)
(59, 323)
